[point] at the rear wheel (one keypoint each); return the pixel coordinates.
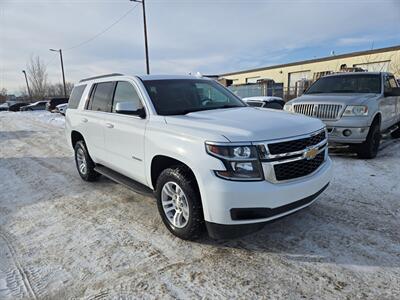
(84, 163)
(369, 149)
(179, 203)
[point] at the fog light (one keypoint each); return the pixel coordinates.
(347, 132)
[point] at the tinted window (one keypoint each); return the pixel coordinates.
(76, 96)
(182, 96)
(125, 92)
(102, 97)
(392, 82)
(360, 83)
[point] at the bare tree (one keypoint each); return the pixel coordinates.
(3, 95)
(37, 75)
(57, 89)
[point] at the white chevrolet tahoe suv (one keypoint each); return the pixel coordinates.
(211, 161)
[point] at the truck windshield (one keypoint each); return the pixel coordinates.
(360, 83)
(182, 96)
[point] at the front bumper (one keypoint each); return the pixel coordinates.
(338, 134)
(223, 197)
(220, 231)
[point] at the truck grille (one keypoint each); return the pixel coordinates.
(321, 111)
(292, 159)
(298, 168)
(296, 145)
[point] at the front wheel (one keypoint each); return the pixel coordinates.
(369, 149)
(179, 203)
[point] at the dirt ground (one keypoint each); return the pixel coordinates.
(61, 237)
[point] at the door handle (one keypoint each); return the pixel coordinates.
(109, 125)
(84, 120)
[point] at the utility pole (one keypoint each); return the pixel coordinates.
(27, 85)
(146, 49)
(62, 69)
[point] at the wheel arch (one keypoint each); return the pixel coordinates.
(76, 136)
(161, 162)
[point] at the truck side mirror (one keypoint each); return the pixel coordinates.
(128, 108)
(392, 92)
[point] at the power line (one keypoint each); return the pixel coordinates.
(103, 31)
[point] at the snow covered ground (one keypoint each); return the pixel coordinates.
(61, 237)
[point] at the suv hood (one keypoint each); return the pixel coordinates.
(244, 124)
(338, 98)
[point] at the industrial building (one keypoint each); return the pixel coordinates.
(289, 80)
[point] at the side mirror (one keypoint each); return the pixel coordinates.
(392, 92)
(128, 108)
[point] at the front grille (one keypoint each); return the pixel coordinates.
(321, 111)
(296, 145)
(299, 168)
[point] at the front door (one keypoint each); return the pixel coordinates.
(124, 135)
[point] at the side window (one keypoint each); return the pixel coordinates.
(392, 82)
(387, 84)
(76, 96)
(126, 93)
(102, 97)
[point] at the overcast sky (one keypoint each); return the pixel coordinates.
(208, 36)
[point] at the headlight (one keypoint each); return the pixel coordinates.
(355, 110)
(241, 162)
(288, 107)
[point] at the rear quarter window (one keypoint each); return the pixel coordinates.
(76, 96)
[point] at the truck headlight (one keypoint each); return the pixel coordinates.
(355, 111)
(288, 107)
(241, 161)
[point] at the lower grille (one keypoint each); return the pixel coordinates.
(321, 111)
(299, 168)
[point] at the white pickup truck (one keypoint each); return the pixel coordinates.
(212, 162)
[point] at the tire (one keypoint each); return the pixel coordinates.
(369, 149)
(396, 134)
(84, 163)
(179, 203)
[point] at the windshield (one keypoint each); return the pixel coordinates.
(182, 96)
(360, 83)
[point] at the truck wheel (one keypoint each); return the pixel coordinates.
(84, 163)
(179, 203)
(369, 149)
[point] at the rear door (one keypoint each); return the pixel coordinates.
(124, 134)
(94, 119)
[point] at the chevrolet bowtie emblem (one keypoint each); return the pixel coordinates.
(311, 153)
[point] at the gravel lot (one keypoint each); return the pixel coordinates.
(61, 237)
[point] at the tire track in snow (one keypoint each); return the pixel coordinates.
(11, 276)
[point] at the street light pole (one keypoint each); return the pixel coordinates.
(27, 85)
(146, 49)
(62, 69)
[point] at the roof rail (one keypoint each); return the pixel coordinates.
(101, 76)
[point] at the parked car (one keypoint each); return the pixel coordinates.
(265, 102)
(4, 106)
(356, 108)
(62, 108)
(211, 161)
(17, 106)
(39, 105)
(53, 102)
